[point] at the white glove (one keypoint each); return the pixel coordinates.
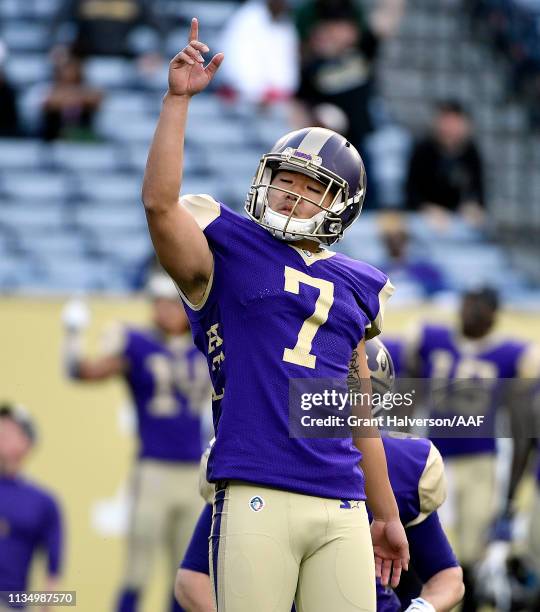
(492, 575)
(420, 605)
(75, 316)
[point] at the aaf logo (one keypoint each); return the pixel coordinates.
(256, 503)
(351, 504)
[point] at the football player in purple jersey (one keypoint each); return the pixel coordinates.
(170, 389)
(417, 478)
(471, 351)
(30, 517)
(268, 302)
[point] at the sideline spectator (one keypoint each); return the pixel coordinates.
(445, 170)
(339, 48)
(9, 116)
(105, 27)
(70, 105)
(269, 71)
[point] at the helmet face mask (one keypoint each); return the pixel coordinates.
(328, 224)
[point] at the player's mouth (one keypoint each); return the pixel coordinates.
(285, 209)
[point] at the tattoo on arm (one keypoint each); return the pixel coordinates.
(353, 377)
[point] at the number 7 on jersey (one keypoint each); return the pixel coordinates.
(301, 353)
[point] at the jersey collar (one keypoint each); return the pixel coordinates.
(309, 257)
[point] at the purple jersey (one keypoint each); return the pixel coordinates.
(416, 474)
(160, 375)
(30, 520)
(273, 312)
(443, 354)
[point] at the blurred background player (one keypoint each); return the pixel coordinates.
(418, 278)
(417, 477)
(508, 576)
(168, 382)
(30, 517)
(476, 359)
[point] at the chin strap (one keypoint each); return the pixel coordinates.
(277, 223)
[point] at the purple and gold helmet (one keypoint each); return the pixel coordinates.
(381, 366)
(326, 157)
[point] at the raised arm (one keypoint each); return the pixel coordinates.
(75, 319)
(180, 244)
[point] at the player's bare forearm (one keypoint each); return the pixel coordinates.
(367, 439)
(390, 547)
(100, 369)
(445, 589)
(380, 497)
(163, 175)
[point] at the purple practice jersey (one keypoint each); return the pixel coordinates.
(272, 313)
(30, 520)
(443, 355)
(416, 474)
(164, 376)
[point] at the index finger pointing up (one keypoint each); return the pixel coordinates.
(194, 31)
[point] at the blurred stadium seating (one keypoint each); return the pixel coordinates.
(70, 213)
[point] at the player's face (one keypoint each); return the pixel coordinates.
(307, 191)
(14, 446)
(477, 318)
(170, 316)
